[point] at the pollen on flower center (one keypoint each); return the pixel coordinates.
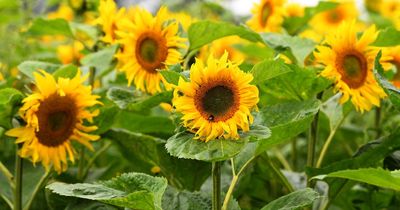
(57, 118)
(217, 102)
(353, 68)
(151, 52)
(265, 13)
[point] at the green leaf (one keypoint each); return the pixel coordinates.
(286, 121)
(144, 124)
(182, 145)
(300, 47)
(333, 110)
(388, 37)
(126, 99)
(88, 30)
(172, 76)
(42, 27)
(9, 99)
(375, 176)
(68, 71)
(101, 60)
(295, 200)
(392, 91)
(146, 152)
(130, 190)
(204, 32)
(106, 119)
(268, 69)
(28, 67)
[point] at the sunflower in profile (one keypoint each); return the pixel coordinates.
(55, 115)
(329, 20)
(394, 54)
(149, 44)
(348, 62)
(109, 18)
(218, 47)
(218, 99)
(267, 16)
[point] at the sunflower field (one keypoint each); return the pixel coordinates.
(198, 105)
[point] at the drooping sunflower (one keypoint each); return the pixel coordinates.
(218, 47)
(217, 100)
(329, 20)
(109, 18)
(149, 44)
(348, 62)
(55, 115)
(267, 16)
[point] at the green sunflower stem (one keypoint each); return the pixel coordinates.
(37, 189)
(7, 174)
(312, 141)
(216, 177)
(18, 183)
(279, 174)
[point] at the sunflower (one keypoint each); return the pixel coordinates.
(348, 62)
(109, 18)
(218, 99)
(55, 115)
(219, 46)
(70, 53)
(63, 12)
(329, 20)
(394, 53)
(294, 10)
(183, 18)
(149, 44)
(267, 16)
(391, 10)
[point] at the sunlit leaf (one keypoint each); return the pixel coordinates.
(295, 200)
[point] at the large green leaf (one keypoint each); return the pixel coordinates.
(42, 27)
(299, 84)
(9, 99)
(300, 47)
(127, 99)
(388, 37)
(146, 152)
(374, 176)
(204, 32)
(68, 71)
(101, 60)
(143, 124)
(392, 91)
(286, 121)
(268, 69)
(183, 145)
(295, 200)
(28, 67)
(131, 190)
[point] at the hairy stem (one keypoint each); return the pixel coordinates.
(18, 183)
(216, 177)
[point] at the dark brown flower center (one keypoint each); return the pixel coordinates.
(334, 16)
(57, 118)
(151, 51)
(217, 101)
(353, 68)
(266, 11)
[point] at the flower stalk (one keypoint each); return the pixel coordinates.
(216, 177)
